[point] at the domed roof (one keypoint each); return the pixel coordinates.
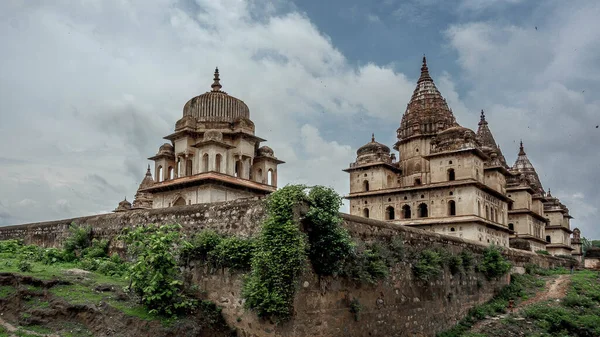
(166, 147)
(265, 151)
(216, 105)
(427, 112)
(454, 138)
(372, 147)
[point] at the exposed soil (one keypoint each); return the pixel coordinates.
(555, 288)
(102, 320)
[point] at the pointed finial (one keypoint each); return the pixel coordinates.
(373, 137)
(521, 149)
(216, 86)
(148, 171)
(549, 194)
(424, 71)
(482, 118)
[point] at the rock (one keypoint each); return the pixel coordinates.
(77, 272)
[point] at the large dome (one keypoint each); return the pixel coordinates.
(216, 105)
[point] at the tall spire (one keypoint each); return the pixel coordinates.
(424, 72)
(523, 165)
(216, 86)
(488, 143)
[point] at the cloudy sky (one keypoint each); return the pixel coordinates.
(88, 88)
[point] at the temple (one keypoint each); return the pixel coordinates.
(213, 155)
(451, 180)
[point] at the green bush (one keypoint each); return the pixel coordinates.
(355, 308)
(233, 252)
(200, 246)
(329, 243)
(428, 266)
(455, 263)
(97, 249)
(24, 266)
(10, 246)
(79, 239)
(280, 256)
(467, 259)
(494, 264)
(542, 252)
(154, 274)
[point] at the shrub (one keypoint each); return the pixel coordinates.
(79, 239)
(455, 263)
(200, 246)
(24, 266)
(467, 259)
(329, 244)
(154, 274)
(233, 252)
(355, 308)
(97, 249)
(10, 246)
(493, 264)
(281, 251)
(542, 252)
(428, 266)
(54, 255)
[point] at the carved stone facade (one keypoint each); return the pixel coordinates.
(451, 180)
(213, 155)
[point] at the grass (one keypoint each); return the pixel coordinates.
(6, 291)
(520, 288)
(3, 332)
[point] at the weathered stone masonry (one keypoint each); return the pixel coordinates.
(397, 306)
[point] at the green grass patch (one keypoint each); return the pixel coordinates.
(6, 291)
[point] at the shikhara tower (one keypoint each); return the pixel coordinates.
(451, 180)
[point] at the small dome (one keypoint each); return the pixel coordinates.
(125, 203)
(216, 105)
(265, 151)
(372, 147)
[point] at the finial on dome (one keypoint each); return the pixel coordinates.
(148, 171)
(482, 118)
(521, 149)
(424, 71)
(216, 86)
(549, 194)
(373, 137)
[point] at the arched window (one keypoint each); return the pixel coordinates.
(487, 212)
(451, 175)
(452, 229)
(548, 239)
(451, 207)
(366, 212)
(205, 162)
(171, 172)
(366, 185)
(218, 159)
(390, 213)
(179, 173)
(270, 177)
(478, 208)
(406, 212)
(477, 174)
(423, 211)
(160, 174)
(389, 181)
(238, 168)
(510, 205)
(511, 226)
(179, 202)
(418, 181)
(260, 176)
(188, 167)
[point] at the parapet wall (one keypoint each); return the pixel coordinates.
(240, 217)
(400, 305)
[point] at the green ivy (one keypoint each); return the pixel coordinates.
(429, 265)
(280, 256)
(330, 244)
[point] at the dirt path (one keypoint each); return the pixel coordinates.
(554, 289)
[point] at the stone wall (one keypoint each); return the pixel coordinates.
(240, 217)
(400, 305)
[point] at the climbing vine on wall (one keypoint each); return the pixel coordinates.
(282, 248)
